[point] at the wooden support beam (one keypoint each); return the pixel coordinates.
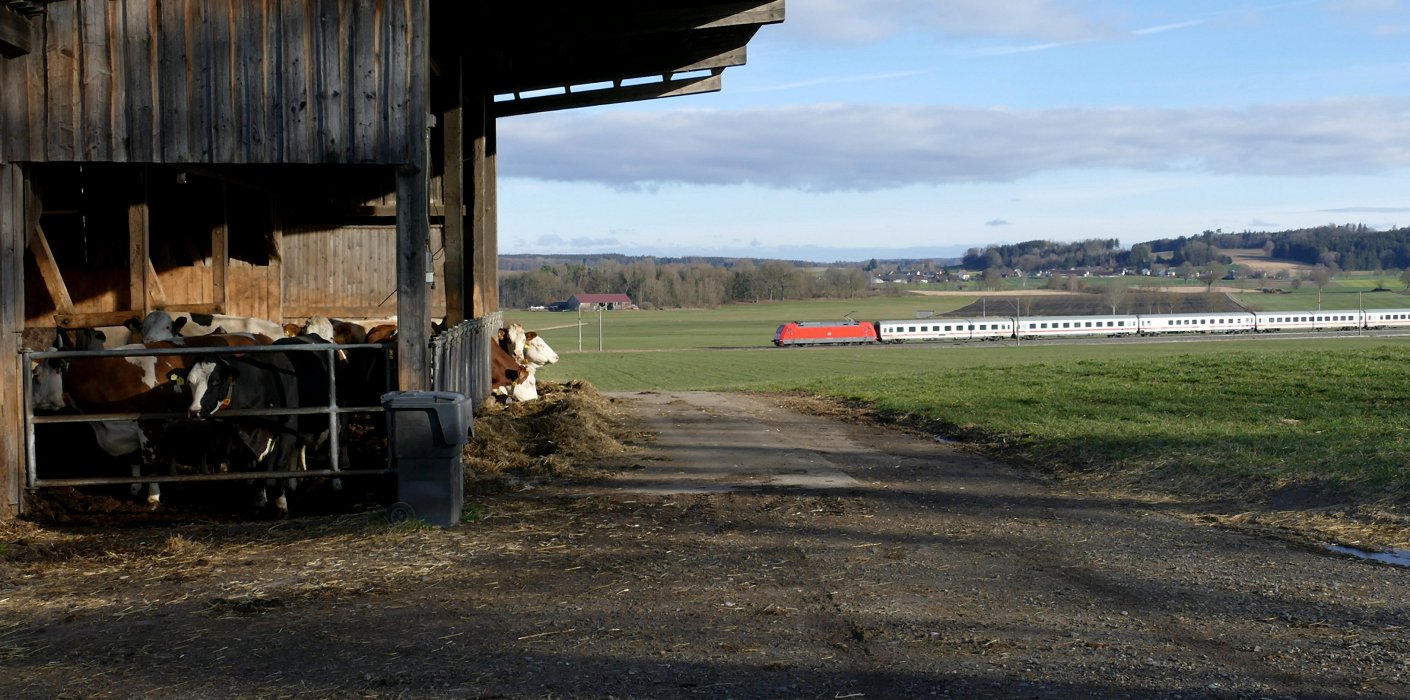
(605, 96)
(275, 278)
(118, 318)
(220, 253)
(477, 122)
(49, 271)
(489, 277)
(413, 297)
(156, 291)
(15, 227)
(138, 257)
(453, 232)
(16, 34)
(413, 220)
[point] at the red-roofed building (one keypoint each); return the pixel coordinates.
(588, 302)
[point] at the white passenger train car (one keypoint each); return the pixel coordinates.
(1074, 326)
(1226, 322)
(925, 329)
(1271, 321)
(1387, 318)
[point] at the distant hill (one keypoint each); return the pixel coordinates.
(1092, 304)
(1348, 246)
(520, 262)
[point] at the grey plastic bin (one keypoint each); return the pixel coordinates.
(426, 434)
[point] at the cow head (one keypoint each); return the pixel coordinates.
(536, 350)
(157, 325)
(46, 385)
(319, 326)
(46, 377)
(212, 382)
(511, 338)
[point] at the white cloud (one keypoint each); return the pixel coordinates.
(1367, 210)
(859, 21)
(845, 147)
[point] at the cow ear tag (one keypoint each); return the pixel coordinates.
(177, 378)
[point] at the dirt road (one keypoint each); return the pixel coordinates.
(750, 552)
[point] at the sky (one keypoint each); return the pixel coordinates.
(922, 128)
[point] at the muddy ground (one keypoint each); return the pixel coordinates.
(708, 545)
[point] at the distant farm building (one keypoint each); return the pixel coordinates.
(589, 302)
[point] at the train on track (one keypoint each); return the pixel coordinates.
(853, 332)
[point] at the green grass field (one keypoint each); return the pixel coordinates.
(1233, 418)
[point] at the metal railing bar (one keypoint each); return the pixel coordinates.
(222, 350)
(222, 476)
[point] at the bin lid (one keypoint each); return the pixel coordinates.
(420, 399)
(451, 408)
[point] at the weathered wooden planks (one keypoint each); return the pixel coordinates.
(217, 81)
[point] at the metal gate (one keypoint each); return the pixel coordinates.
(332, 409)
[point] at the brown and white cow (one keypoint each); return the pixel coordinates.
(515, 357)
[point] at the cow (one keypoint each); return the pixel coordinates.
(161, 325)
(141, 384)
(311, 369)
(348, 333)
(252, 381)
(507, 375)
(382, 332)
(317, 326)
(515, 357)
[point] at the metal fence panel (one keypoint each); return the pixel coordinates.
(461, 357)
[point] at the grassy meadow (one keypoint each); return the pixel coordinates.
(1230, 419)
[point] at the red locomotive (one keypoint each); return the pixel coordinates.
(847, 332)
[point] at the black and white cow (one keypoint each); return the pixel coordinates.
(315, 389)
(253, 381)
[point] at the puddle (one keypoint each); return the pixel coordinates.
(1397, 557)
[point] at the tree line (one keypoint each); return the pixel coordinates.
(652, 284)
(1336, 246)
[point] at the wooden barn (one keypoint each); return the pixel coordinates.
(289, 158)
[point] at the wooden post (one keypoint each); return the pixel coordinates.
(18, 217)
(413, 220)
(413, 298)
(274, 278)
(138, 257)
(220, 254)
(453, 182)
(489, 280)
(477, 120)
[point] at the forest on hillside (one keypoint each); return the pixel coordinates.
(533, 280)
(1337, 246)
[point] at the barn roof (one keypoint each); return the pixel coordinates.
(563, 54)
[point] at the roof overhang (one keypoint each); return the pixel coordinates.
(562, 54)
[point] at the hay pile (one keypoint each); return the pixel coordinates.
(572, 431)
